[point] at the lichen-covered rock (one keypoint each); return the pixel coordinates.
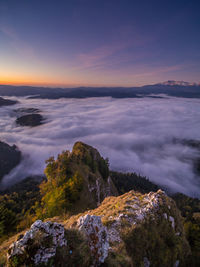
(176, 264)
(38, 245)
(142, 229)
(133, 229)
(96, 235)
(146, 262)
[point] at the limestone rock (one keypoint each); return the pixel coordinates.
(133, 229)
(38, 245)
(96, 235)
(97, 183)
(141, 229)
(146, 262)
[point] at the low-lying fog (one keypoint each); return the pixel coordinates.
(135, 134)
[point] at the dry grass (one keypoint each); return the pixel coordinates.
(110, 207)
(109, 210)
(5, 245)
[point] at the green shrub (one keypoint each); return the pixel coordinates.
(157, 242)
(60, 190)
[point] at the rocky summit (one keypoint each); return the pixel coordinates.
(129, 230)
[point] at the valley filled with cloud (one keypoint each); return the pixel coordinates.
(142, 135)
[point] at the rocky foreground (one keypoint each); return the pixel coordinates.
(83, 214)
(129, 230)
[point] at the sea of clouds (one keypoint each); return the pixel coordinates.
(135, 134)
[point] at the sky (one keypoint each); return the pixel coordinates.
(99, 42)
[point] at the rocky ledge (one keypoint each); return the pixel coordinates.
(129, 230)
(142, 229)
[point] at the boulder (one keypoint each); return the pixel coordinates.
(38, 245)
(97, 237)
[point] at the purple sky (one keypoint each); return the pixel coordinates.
(99, 42)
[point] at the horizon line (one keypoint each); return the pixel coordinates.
(63, 86)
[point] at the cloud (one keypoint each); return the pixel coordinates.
(136, 134)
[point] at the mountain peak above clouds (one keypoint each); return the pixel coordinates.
(180, 83)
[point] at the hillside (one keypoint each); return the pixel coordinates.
(129, 230)
(73, 182)
(103, 221)
(10, 157)
(76, 181)
(6, 102)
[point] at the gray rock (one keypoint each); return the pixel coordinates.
(96, 235)
(176, 264)
(146, 262)
(39, 244)
(172, 221)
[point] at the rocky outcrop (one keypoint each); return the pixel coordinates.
(142, 229)
(98, 182)
(133, 229)
(128, 230)
(93, 169)
(97, 237)
(38, 245)
(10, 157)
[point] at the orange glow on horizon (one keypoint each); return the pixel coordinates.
(42, 83)
(39, 82)
(33, 83)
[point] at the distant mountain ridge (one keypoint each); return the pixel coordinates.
(170, 88)
(180, 83)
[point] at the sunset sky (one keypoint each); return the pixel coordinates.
(99, 42)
